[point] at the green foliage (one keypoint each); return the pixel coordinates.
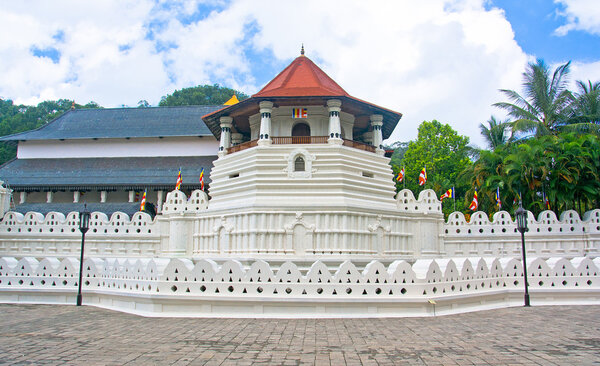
(399, 151)
(566, 167)
(19, 118)
(445, 153)
(496, 133)
(546, 104)
(201, 95)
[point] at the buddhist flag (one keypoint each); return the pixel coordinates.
(179, 180)
(475, 203)
(202, 179)
(400, 176)
(299, 113)
(498, 201)
(143, 203)
(449, 193)
(546, 201)
(423, 176)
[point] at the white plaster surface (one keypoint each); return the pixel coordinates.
(117, 148)
(182, 287)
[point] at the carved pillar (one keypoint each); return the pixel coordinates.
(76, 196)
(23, 197)
(225, 143)
(49, 196)
(264, 138)
(335, 129)
(103, 195)
(377, 123)
(131, 196)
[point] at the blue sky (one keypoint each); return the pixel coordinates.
(535, 22)
(435, 59)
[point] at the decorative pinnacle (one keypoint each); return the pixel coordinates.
(302, 50)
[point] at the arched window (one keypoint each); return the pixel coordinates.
(301, 129)
(299, 164)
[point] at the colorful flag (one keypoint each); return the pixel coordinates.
(179, 180)
(515, 200)
(546, 200)
(202, 179)
(498, 201)
(423, 176)
(449, 193)
(400, 176)
(143, 203)
(137, 196)
(299, 113)
(474, 204)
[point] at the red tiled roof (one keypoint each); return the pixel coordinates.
(301, 78)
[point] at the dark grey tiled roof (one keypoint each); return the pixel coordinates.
(105, 173)
(122, 123)
(65, 208)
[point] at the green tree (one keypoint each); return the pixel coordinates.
(201, 95)
(545, 107)
(19, 118)
(143, 104)
(445, 153)
(585, 109)
(496, 133)
(399, 151)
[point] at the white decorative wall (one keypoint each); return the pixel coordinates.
(188, 228)
(182, 287)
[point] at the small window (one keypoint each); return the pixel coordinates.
(299, 164)
(367, 174)
(234, 175)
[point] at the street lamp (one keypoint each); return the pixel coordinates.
(521, 216)
(84, 225)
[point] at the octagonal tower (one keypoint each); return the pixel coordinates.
(302, 142)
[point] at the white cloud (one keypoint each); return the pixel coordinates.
(437, 59)
(583, 15)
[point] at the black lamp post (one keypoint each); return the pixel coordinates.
(84, 225)
(521, 216)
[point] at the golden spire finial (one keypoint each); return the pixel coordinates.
(302, 50)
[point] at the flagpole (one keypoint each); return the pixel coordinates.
(454, 198)
(403, 178)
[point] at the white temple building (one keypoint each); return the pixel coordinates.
(108, 157)
(301, 219)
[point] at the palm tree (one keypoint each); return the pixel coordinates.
(527, 168)
(546, 104)
(496, 133)
(585, 109)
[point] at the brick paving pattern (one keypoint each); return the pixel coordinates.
(67, 335)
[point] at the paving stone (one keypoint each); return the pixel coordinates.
(53, 335)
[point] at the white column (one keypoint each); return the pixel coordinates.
(335, 129)
(131, 196)
(49, 196)
(76, 196)
(103, 196)
(377, 123)
(23, 197)
(264, 138)
(159, 201)
(225, 143)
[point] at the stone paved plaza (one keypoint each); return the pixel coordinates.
(46, 334)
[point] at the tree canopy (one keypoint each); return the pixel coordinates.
(444, 152)
(201, 95)
(19, 118)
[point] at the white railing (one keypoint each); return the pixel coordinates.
(204, 287)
